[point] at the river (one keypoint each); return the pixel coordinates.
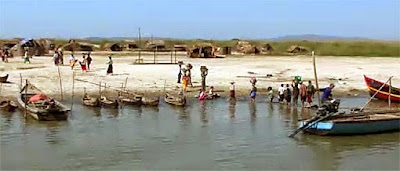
(205, 135)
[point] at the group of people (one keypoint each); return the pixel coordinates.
(289, 94)
(4, 54)
(85, 62)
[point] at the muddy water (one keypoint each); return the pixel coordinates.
(205, 135)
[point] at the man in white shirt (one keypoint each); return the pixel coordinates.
(281, 90)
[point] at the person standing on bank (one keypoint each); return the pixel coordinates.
(232, 90)
(26, 57)
(110, 66)
(295, 92)
(310, 93)
(281, 91)
(253, 92)
(180, 72)
(89, 61)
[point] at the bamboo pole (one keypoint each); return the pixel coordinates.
(171, 55)
(390, 92)
(73, 89)
(316, 78)
(59, 75)
(126, 82)
(26, 100)
(99, 84)
(140, 45)
(20, 81)
(100, 89)
(383, 85)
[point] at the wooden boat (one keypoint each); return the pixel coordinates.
(357, 123)
(46, 109)
(177, 100)
(374, 85)
(3, 79)
(134, 100)
(8, 105)
(150, 101)
(90, 101)
(108, 103)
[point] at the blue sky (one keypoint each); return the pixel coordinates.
(207, 19)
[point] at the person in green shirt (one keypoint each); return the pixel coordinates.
(270, 94)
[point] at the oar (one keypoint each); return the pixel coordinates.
(309, 124)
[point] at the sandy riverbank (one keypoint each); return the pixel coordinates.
(151, 79)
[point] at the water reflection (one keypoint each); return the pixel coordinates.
(203, 111)
(232, 107)
(253, 111)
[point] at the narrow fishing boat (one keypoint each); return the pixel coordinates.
(374, 86)
(8, 105)
(359, 123)
(147, 101)
(90, 101)
(130, 100)
(3, 79)
(177, 100)
(108, 103)
(40, 106)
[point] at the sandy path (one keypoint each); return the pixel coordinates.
(150, 79)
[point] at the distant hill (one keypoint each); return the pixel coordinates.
(315, 37)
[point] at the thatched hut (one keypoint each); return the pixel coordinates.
(180, 48)
(79, 46)
(267, 48)
(9, 43)
(130, 44)
(247, 48)
(226, 50)
(47, 45)
(33, 47)
(155, 44)
(112, 47)
(297, 49)
(202, 50)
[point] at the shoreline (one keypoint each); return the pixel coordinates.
(151, 80)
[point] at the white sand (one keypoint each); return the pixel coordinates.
(151, 79)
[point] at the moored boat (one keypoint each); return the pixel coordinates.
(360, 123)
(8, 105)
(147, 101)
(90, 101)
(374, 86)
(40, 106)
(177, 100)
(135, 100)
(108, 103)
(3, 79)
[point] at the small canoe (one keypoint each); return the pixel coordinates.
(177, 100)
(374, 85)
(43, 109)
(108, 103)
(147, 101)
(356, 124)
(8, 106)
(3, 79)
(135, 100)
(91, 101)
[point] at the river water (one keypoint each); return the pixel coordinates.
(205, 135)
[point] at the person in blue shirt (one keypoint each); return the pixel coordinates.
(328, 93)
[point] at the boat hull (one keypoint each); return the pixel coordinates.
(374, 85)
(4, 79)
(351, 128)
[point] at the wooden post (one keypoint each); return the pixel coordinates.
(126, 82)
(59, 75)
(175, 56)
(84, 91)
(140, 45)
(154, 60)
(20, 83)
(100, 89)
(26, 99)
(390, 92)
(171, 56)
(73, 88)
(316, 78)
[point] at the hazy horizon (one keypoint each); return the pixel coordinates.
(182, 19)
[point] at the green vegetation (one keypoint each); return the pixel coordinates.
(324, 48)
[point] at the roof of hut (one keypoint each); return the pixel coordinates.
(155, 43)
(297, 48)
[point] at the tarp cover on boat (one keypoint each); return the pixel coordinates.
(38, 97)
